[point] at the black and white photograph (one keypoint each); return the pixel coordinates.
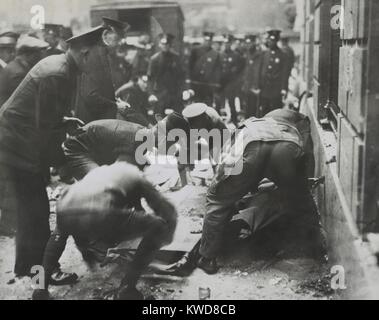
(211, 151)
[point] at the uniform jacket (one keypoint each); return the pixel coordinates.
(273, 73)
(31, 119)
(166, 72)
(232, 66)
(11, 77)
(251, 71)
(205, 66)
(96, 92)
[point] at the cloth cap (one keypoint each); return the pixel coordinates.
(8, 39)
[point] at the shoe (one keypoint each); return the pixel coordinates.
(183, 268)
(208, 265)
(40, 294)
(60, 278)
(128, 293)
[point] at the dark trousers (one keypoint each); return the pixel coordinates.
(120, 225)
(278, 161)
(24, 202)
(250, 104)
(204, 94)
(268, 104)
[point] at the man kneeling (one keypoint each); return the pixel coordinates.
(101, 208)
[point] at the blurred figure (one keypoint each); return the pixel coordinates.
(166, 76)
(272, 81)
(136, 95)
(205, 70)
(232, 67)
(29, 51)
(250, 100)
(289, 54)
(51, 35)
(8, 42)
(140, 63)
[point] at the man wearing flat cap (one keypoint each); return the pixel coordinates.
(271, 83)
(29, 51)
(205, 70)
(166, 76)
(96, 91)
(8, 42)
(33, 125)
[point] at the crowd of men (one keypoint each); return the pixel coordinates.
(80, 110)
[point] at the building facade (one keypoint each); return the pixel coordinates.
(340, 74)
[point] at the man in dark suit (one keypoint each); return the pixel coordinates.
(166, 76)
(272, 80)
(29, 52)
(205, 71)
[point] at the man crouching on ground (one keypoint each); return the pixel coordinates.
(100, 208)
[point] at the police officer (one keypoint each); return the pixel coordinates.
(232, 66)
(205, 70)
(272, 80)
(96, 91)
(29, 51)
(8, 42)
(249, 98)
(166, 76)
(33, 123)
